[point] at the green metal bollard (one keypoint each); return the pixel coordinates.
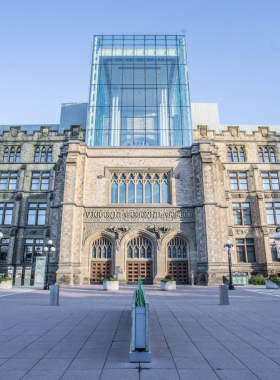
(140, 292)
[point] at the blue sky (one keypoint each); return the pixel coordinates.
(233, 53)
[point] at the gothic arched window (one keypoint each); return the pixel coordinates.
(49, 156)
(139, 247)
(6, 155)
(266, 154)
(12, 155)
(175, 247)
(236, 154)
(18, 155)
(37, 155)
(101, 248)
(139, 187)
(43, 155)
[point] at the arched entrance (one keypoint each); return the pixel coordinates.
(139, 260)
(101, 261)
(177, 259)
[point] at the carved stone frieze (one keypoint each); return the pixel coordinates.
(159, 231)
(33, 232)
(244, 231)
(240, 195)
(139, 214)
(90, 228)
(7, 196)
(272, 195)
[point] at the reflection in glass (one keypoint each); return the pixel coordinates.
(139, 83)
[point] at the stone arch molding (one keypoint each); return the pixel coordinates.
(86, 253)
(170, 235)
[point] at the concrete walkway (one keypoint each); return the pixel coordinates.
(192, 337)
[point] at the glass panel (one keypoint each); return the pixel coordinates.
(240, 253)
(41, 217)
(12, 184)
(131, 197)
(149, 252)
(31, 217)
(164, 192)
(156, 192)
(266, 184)
(247, 216)
(114, 193)
(251, 253)
(122, 192)
(130, 73)
(139, 192)
(237, 216)
(8, 216)
(44, 184)
(28, 253)
(234, 184)
(274, 253)
(35, 183)
(148, 193)
(3, 183)
(270, 216)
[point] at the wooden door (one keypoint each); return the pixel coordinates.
(179, 271)
(99, 270)
(136, 269)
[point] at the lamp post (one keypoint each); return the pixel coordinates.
(277, 240)
(229, 248)
(49, 248)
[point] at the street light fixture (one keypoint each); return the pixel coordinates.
(229, 248)
(49, 248)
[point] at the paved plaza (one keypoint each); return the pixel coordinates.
(88, 335)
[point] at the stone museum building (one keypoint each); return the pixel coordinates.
(139, 181)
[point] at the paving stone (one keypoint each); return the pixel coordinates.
(197, 374)
(120, 374)
(236, 374)
(82, 374)
(19, 364)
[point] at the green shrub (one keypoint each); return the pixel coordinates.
(5, 279)
(32, 282)
(168, 278)
(257, 280)
(110, 278)
(274, 279)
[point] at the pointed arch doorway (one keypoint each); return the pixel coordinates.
(139, 261)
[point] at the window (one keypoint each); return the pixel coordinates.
(273, 248)
(241, 213)
(40, 181)
(270, 181)
(266, 154)
(12, 154)
(4, 244)
(32, 249)
(139, 187)
(273, 213)
(177, 249)
(8, 181)
(36, 214)
(139, 248)
(43, 154)
(236, 154)
(238, 181)
(6, 213)
(245, 250)
(102, 249)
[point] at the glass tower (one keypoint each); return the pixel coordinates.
(139, 92)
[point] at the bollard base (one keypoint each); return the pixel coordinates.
(54, 295)
(223, 292)
(140, 356)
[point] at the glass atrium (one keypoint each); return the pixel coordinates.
(139, 92)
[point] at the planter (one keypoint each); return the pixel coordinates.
(169, 285)
(111, 285)
(270, 284)
(6, 285)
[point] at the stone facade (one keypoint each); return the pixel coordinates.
(199, 209)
